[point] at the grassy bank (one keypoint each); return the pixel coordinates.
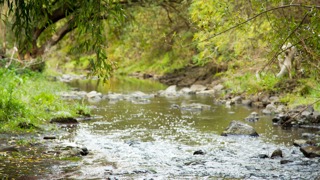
(29, 98)
(293, 92)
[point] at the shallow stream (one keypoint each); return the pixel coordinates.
(153, 140)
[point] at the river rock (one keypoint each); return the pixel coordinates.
(170, 91)
(229, 103)
(140, 95)
(285, 161)
(247, 102)
(71, 151)
(113, 97)
(199, 152)
(316, 117)
(302, 142)
(197, 88)
(280, 119)
(270, 109)
(310, 151)
(263, 156)
(274, 99)
(194, 107)
(93, 94)
(308, 135)
(218, 87)
(70, 77)
(239, 128)
(276, 153)
(253, 117)
(73, 95)
(64, 120)
(49, 137)
(257, 104)
(206, 92)
(237, 99)
(186, 90)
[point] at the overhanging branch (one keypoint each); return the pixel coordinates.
(257, 15)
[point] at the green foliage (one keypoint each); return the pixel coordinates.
(217, 17)
(29, 97)
(308, 92)
(248, 83)
(230, 30)
(155, 44)
(10, 107)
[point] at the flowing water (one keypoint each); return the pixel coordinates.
(155, 140)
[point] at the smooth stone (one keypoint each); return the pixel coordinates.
(197, 88)
(276, 153)
(239, 128)
(299, 142)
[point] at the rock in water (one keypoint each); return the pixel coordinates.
(64, 120)
(199, 152)
(276, 153)
(253, 117)
(239, 128)
(311, 151)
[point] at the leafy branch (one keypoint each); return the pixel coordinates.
(256, 16)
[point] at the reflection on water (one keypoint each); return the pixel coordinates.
(151, 116)
(157, 141)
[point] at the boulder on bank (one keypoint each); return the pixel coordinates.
(239, 128)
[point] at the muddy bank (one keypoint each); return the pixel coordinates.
(192, 75)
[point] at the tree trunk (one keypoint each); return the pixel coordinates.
(3, 32)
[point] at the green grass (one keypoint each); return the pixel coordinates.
(248, 83)
(29, 97)
(308, 92)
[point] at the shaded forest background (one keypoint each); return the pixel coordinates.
(159, 37)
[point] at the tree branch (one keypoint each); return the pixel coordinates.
(257, 15)
(60, 33)
(53, 17)
(282, 50)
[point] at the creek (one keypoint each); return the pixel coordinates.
(153, 139)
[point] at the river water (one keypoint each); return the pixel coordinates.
(153, 140)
